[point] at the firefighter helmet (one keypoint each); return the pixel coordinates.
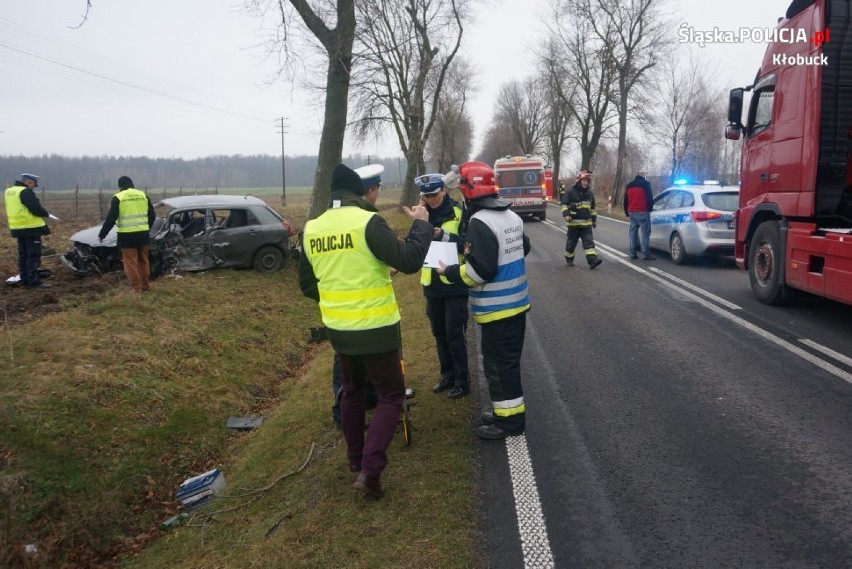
(476, 179)
(584, 175)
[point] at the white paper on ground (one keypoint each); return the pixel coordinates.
(441, 251)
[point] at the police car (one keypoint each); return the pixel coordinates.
(691, 220)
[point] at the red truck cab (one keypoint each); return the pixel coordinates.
(794, 221)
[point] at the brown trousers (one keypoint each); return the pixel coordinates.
(137, 269)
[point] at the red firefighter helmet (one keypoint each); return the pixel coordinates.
(476, 179)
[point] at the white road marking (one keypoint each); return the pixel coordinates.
(532, 529)
(535, 544)
(830, 368)
(827, 351)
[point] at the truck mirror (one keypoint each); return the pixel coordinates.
(732, 132)
(735, 106)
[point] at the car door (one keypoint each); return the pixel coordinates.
(658, 219)
(187, 239)
(236, 237)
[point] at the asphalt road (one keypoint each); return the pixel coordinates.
(672, 421)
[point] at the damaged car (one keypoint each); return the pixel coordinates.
(195, 233)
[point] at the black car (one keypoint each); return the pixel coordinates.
(195, 233)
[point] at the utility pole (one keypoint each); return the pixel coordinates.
(282, 129)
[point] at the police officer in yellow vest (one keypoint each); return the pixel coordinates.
(132, 212)
(27, 225)
(446, 302)
(494, 269)
(346, 256)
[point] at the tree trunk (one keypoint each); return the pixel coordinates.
(618, 181)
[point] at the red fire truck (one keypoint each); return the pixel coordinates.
(520, 179)
(794, 221)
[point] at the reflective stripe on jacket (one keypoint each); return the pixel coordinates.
(132, 211)
(579, 203)
(451, 226)
(354, 286)
(507, 294)
(20, 217)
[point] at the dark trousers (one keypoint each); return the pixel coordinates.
(385, 371)
(337, 390)
(502, 344)
(576, 233)
(448, 317)
(29, 260)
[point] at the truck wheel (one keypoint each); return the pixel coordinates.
(268, 259)
(765, 259)
(677, 250)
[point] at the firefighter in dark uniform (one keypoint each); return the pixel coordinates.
(27, 224)
(345, 266)
(578, 210)
(446, 302)
(493, 268)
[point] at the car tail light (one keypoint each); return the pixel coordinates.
(287, 228)
(698, 216)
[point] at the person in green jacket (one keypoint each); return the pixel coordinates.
(347, 253)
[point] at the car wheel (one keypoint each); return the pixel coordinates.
(765, 259)
(542, 216)
(677, 250)
(268, 259)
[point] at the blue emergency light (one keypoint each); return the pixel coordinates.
(681, 182)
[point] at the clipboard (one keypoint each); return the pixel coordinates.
(441, 251)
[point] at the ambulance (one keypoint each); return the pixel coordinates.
(521, 180)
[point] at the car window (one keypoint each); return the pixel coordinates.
(660, 201)
(723, 201)
(688, 200)
(675, 201)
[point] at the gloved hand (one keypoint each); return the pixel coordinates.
(594, 225)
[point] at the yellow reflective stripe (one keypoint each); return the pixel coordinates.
(364, 294)
(360, 313)
(467, 273)
(510, 412)
(500, 314)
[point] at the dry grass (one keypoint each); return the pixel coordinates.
(110, 403)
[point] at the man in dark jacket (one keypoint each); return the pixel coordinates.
(578, 210)
(494, 270)
(638, 200)
(27, 224)
(446, 303)
(347, 253)
(132, 212)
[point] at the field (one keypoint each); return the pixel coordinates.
(110, 399)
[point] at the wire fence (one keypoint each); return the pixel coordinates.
(93, 205)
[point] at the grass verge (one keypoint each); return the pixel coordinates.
(108, 405)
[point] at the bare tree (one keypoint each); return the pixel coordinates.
(641, 40)
(521, 106)
(337, 43)
(560, 97)
(451, 139)
(499, 141)
(684, 102)
(586, 65)
(405, 51)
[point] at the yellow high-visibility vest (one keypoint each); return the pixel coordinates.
(354, 286)
(19, 216)
(132, 211)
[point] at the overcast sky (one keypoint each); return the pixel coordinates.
(187, 78)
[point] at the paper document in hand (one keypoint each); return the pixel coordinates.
(51, 216)
(441, 251)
